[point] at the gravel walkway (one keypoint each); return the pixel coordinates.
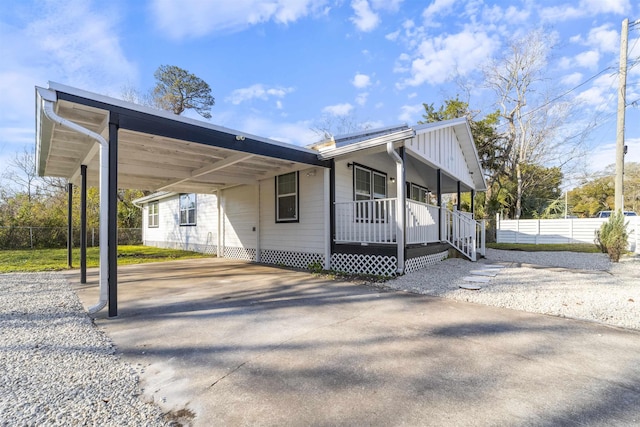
(56, 368)
(565, 284)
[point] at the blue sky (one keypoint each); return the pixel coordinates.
(279, 68)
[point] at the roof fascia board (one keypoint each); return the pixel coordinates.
(369, 143)
(155, 196)
(142, 119)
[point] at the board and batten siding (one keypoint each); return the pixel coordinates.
(308, 234)
(441, 148)
(201, 237)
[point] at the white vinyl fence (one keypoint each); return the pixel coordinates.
(572, 230)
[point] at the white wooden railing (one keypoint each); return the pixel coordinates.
(464, 233)
(374, 221)
(421, 222)
(366, 221)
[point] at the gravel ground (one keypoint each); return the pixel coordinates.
(565, 284)
(56, 368)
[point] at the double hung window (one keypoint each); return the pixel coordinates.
(153, 215)
(369, 185)
(287, 191)
(419, 194)
(188, 209)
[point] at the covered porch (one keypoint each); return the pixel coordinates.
(406, 189)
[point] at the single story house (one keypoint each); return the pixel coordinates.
(369, 202)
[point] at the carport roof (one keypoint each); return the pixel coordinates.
(157, 150)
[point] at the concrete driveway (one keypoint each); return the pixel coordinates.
(242, 344)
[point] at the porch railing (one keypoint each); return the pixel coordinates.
(366, 221)
(464, 233)
(374, 221)
(422, 222)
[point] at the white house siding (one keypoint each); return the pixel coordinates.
(240, 213)
(294, 244)
(441, 149)
(344, 174)
(201, 237)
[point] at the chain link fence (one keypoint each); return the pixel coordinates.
(56, 237)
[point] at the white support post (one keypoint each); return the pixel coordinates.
(257, 227)
(326, 185)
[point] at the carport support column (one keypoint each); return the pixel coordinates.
(83, 224)
(328, 208)
(70, 225)
(439, 202)
(257, 227)
(112, 203)
(458, 203)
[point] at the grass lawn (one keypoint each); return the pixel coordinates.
(56, 259)
(573, 247)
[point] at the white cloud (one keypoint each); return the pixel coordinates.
(338, 109)
(194, 18)
(257, 91)
(410, 113)
(361, 81)
(588, 59)
(67, 42)
(361, 99)
(601, 95)
(436, 8)
(572, 79)
(390, 5)
(585, 8)
(392, 36)
(439, 58)
(365, 19)
(297, 133)
(412, 95)
(604, 39)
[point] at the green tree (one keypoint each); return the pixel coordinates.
(178, 90)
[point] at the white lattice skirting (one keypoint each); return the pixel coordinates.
(247, 254)
(380, 265)
(415, 264)
(292, 259)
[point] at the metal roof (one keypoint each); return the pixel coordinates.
(157, 150)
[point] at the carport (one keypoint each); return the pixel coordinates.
(94, 140)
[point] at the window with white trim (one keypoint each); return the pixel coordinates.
(188, 209)
(153, 215)
(369, 184)
(287, 191)
(419, 193)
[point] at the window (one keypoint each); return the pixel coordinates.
(369, 185)
(287, 197)
(153, 215)
(419, 194)
(188, 209)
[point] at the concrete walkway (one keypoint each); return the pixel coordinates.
(242, 344)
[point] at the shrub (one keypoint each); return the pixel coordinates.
(612, 237)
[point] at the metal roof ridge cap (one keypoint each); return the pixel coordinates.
(367, 143)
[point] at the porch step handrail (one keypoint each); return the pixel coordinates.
(464, 233)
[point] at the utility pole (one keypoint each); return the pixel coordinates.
(622, 95)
